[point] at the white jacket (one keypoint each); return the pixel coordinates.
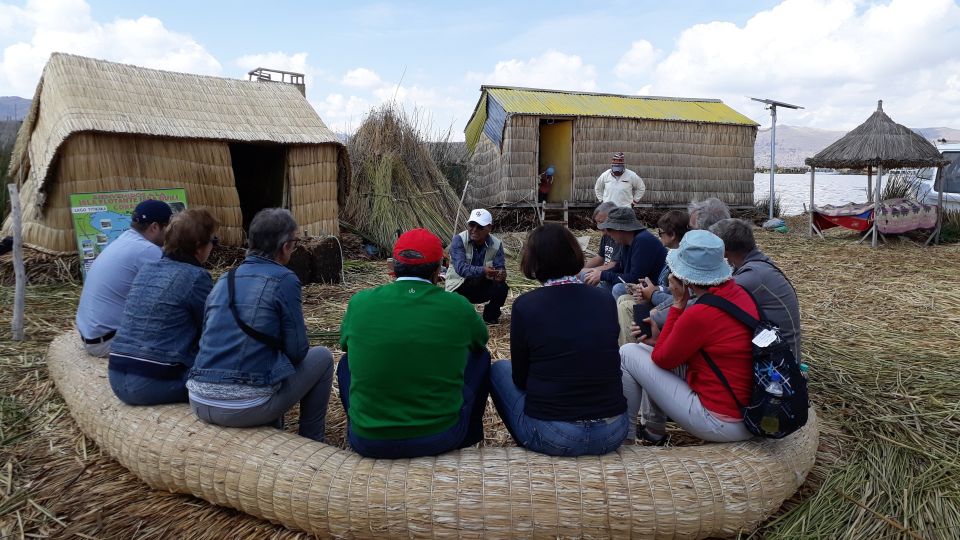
(623, 191)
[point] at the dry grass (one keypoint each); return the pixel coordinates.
(880, 331)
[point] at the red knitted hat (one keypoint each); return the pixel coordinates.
(420, 241)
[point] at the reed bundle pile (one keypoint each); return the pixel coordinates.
(880, 335)
(396, 185)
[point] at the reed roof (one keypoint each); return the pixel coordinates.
(878, 141)
(534, 101)
(77, 94)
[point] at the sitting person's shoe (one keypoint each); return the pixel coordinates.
(649, 438)
(492, 323)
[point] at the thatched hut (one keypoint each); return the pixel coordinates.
(235, 146)
(683, 148)
(876, 144)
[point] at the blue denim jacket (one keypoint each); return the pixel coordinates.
(163, 314)
(267, 299)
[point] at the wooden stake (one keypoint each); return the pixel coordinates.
(812, 178)
(18, 268)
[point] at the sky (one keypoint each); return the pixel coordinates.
(835, 58)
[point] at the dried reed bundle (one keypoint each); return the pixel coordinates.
(396, 185)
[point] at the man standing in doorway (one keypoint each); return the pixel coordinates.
(478, 270)
(619, 185)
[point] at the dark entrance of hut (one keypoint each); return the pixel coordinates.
(258, 170)
(556, 149)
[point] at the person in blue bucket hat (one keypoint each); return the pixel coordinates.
(669, 374)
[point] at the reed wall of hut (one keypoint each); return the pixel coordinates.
(679, 161)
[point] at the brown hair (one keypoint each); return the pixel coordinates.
(188, 231)
(675, 222)
(551, 252)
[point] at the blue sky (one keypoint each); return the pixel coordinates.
(836, 57)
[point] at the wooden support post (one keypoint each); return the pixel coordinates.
(870, 183)
(812, 179)
(19, 271)
(876, 207)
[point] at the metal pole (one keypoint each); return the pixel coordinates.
(16, 326)
(773, 153)
(812, 176)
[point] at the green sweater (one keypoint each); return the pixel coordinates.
(407, 344)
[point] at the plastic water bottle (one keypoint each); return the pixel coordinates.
(805, 371)
(770, 423)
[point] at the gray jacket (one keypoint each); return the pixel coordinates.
(774, 293)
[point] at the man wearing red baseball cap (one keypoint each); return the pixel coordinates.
(418, 374)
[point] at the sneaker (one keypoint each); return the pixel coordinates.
(649, 438)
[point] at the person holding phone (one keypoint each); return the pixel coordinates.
(672, 378)
(478, 269)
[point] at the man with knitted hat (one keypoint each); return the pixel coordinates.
(110, 277)
(416, 374)
(619, 185)
(478, 270)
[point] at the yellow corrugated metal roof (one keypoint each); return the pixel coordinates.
(553, 102)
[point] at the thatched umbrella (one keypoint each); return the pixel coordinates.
(879, 142)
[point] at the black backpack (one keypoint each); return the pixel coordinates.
(779, 401)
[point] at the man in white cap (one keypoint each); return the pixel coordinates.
(619, 185)
(478, 270)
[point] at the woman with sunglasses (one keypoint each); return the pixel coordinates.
(255, 362)
(158, 338)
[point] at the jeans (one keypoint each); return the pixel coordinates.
(551, 437)
(310, 385)
(468, 430)
(481, 290)
(136, 389)
(667, 393)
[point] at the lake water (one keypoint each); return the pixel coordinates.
(794, 189)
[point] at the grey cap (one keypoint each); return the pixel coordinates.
(622, 218)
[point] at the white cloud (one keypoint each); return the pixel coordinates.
(835, 57)
(296, 62)
(551, 69)
(342, 114)
(638, 62)
(361, 78)
(67, 26)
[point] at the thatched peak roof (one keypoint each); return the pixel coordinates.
(878, 141)
(77, 94)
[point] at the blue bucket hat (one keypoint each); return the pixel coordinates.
(699, 259)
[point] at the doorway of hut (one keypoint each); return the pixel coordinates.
(258, 171)
(556, 149)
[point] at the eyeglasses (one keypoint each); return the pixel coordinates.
(296, 241)
(660, 232)
(215, 241)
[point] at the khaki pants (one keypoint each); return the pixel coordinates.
(625, 316)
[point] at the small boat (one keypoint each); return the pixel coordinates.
(707, 491)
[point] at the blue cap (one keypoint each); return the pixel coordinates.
(550, 170)
(699, 259)
(150, 211)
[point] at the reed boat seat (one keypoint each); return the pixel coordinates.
(714, 490)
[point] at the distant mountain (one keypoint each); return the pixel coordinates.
(795, 144)
(13, 107)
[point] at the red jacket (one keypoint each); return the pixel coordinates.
(726, 340)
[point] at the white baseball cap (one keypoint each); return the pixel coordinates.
(480, 217)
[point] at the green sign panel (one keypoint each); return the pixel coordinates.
(100, 218)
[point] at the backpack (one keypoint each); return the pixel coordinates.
(779, 400)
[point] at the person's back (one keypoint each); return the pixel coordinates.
(572, 366)
(408, 343)
(774, 294)
(108, 281)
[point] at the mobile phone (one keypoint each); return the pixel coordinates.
(641, 312)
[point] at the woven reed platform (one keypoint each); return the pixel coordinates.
(714, 490)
